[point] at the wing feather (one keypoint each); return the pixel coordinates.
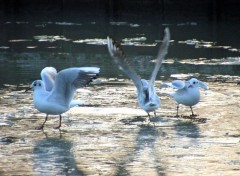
(68, 80)
(161, 54)
(176, 84)
(48, 75)
(121, 60)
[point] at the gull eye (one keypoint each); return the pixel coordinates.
(34, 84)
(39, 84)
(195, 82)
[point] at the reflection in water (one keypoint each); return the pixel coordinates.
(53, 156)
(186, 129)
(65, 44)
(25, 67)
(144, 158)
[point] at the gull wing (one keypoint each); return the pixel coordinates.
(121, 60)
(68, 80)
(144, 84)
(176, 84)
(48, 75)
(161, 54)
(202, 85)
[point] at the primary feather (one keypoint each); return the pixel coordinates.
(147, 97)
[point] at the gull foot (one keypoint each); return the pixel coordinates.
(39, 128)
(199, 120)
(193, 115)
(57, 127)
(177, 116)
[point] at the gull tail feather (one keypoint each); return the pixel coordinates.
(168, 93)
(76, 103)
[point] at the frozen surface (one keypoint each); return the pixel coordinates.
(109, 135)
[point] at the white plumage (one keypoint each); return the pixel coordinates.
(187, 92)
(146, 94)
(54, 93)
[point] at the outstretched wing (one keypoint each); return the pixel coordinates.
(48, 75)
(176, 84)
(68, 80)
(85, 76)
(121, 60)
(161, 54)
(203, 85)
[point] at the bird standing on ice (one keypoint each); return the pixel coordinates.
(187, 92)
(54, 93)
(146, 94)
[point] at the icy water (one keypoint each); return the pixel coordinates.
(109, 135)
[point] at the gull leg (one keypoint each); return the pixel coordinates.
(60, 122)
(155, 114)
(177, 110)
(193, 115)
(41, 127)
(149, 117)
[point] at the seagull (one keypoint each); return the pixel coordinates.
(54, 93)
(187, 92)
(146, 94)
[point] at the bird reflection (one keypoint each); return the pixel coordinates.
(188, 130)
(53, 156)
(145, 142)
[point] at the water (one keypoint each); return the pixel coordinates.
(110, 136)
(208, 50)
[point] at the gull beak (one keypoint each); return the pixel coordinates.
(29, 88)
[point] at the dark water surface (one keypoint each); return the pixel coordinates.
(110, 136)
(196, 47)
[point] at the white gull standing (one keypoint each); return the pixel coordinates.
(146, 94)
(54, 93)
(187, 92)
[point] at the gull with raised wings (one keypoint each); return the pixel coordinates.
(146, 94)
(54, 93)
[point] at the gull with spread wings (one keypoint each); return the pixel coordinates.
(54, 93)
(146, 94)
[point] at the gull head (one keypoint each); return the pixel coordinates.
(194, 83)
(36, 85)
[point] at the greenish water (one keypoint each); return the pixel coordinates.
(196, 47)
